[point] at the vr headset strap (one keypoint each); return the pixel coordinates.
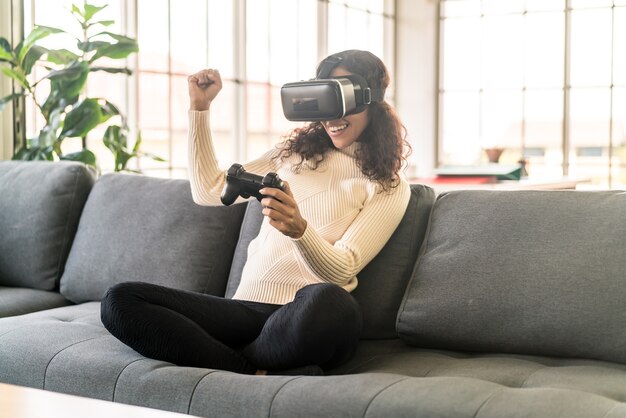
(327, 66)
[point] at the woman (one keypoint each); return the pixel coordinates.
(292, 312)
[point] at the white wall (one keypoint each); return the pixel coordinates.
(417, 80)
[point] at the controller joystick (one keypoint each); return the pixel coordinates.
(239, 182)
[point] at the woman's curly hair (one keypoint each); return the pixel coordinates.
(383, 149)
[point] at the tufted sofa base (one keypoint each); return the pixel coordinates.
(68, 350)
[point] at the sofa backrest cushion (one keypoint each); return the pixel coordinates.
(383, 281)
(530, 272)
(40, 205)
(137, 228)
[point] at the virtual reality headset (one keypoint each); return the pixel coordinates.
(325, 98)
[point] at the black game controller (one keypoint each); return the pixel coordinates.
(241, 183)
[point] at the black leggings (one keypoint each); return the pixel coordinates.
(321, 326)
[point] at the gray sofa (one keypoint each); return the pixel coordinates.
(482, 304)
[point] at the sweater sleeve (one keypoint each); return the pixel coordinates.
(206, 177)
(364, 238)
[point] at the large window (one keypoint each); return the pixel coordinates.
(257, 45)
(544, 79)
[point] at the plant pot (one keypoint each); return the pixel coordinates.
(493, 154)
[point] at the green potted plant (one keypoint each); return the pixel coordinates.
(67, 112)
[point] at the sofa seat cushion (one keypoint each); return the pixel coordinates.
(527, 272)
(68, 350)
(20, 300)
(40, 205)
(137, 228)
(510, 370)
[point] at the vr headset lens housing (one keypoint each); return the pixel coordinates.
(326, 99)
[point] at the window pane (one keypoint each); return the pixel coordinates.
(336, 28)
(619, 37)
(357, 30)
(619, 115)
(152, 34)
(189, 37)
(258, 105)
(544, 50)
(460, 136)
(155, 141)
(280, 125)
(153, 101)
(221, 42)
(258, 46)
(223, 109)
(461, 53)
(503, 6)
(111, 87)
(180, 151)
(502, 52)
(377, 6)
(461, 8)
(180, 103)
(590, 114)
(307, 39)
(541, 5)
(590, 3)
(284, 34)
(619, 137)
(543, 111)
(375, 35)
(591, 47)
(501, 120)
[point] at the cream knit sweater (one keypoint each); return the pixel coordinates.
(348, 220)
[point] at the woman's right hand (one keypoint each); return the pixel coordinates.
(203, 87)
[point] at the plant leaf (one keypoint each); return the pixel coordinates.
(117, 37)
(9, 98)
(112, 70)
(91, 10)
(34, 154)
(31, 57)
(116, 51)
(66, 85)
(76, 9)
(17, 75)
(137, 143)
(109, 109)
(92, 45)
(39, 32)
(111, 139)
(82, 119)
(6, 53)
(104, 22)
(154, 157)
(48, 134)
(61, 56)
(84, 156)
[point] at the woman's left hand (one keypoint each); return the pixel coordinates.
(282, 210)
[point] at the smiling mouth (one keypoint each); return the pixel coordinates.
(337, 128)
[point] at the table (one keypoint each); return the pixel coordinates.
(23, 402)
(563, 183)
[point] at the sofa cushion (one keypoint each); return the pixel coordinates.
(534, 272)
(68, 350)
(137, 228)
(383, 281)
(40, 204)
(22, 300)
